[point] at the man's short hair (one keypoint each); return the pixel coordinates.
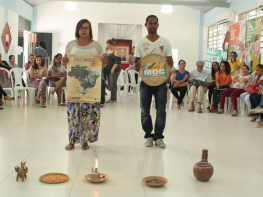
(151, 16)
(234, 52)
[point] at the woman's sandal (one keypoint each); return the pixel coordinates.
(85, 146)
(1, 102)
(191, 109)
(220, 111)
(254, 118)
(1, 108)
(9, 98)
(37, 101)
(43, 105)
(234, 115)
(62, 104)
(199, 110)
(69, 146)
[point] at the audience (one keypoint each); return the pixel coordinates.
(12, 61)
(254, 87)
(215, 68)
(57, 77)
(6, 97)
(235, 65)
(240, 84)
(38, 74)
(4, 64)
(222, 81)
(42, 50)
(198, 84)
(180, 78)
(30, 62)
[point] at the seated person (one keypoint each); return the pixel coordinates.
(57, 75)
(4, 64)
(215, 68)
(12, 62)
(240, 84)
(6, 97)
(257, 86)
(258, 110)
(30, 62)
(198, 85)
(255, 98)
(180, 78)
(38, 74)
(222, 80)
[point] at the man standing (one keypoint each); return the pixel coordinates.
(234, 63)
(155, 44)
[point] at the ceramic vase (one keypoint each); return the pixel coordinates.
(203, 170)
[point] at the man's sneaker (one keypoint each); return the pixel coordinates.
(160, 143)
(149, 142)
(257, 110)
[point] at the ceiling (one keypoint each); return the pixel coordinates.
(202, 5)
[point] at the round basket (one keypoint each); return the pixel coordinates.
(54, 178)
(154, 69)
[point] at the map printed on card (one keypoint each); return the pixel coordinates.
(157, 69)
(84, 78)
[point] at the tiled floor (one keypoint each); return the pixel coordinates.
(38, 136)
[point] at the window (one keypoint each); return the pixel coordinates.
(215, 36)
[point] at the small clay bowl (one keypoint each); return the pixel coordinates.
(89, 178)
(155, 181)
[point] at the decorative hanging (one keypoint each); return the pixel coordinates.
(6, 38)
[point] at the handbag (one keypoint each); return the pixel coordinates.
(251, 89)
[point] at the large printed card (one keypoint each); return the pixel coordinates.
(84, 78)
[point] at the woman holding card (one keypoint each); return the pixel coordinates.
(83, 118)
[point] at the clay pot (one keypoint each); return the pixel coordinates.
(203, 170)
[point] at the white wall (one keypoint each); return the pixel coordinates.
(13, 25)
(181, 27)
(104, 35)
(2, 26)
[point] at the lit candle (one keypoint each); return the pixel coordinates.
(96, 165)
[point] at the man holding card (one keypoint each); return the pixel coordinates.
(153, 44)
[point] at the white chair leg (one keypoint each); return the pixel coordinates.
(171, 100)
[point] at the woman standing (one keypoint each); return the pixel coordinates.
(57, 77)
(83, 118)
(30, 62)
(12, 61)
(222, 81)
(180, 78)
(38, 74)
(113, 69)
(42, 50)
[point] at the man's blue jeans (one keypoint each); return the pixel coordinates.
(160, 94)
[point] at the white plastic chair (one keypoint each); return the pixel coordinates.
(51, 96)
(32, 90)
(122, 80)
(133, 83)
(18, 86)
(9, 89)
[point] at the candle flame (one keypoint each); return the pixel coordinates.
(96, 163)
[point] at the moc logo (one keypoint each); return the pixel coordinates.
(154, 69)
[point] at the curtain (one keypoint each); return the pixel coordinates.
(119, 31)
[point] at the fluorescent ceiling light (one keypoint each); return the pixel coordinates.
(167, 9)
(71, 6)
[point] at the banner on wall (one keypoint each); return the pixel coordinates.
(212, 55)
(253, 40)
(237, 42)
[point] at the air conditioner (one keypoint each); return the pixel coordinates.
(260, 5)
(225, 17)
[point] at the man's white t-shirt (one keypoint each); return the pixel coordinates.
(161, 46)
